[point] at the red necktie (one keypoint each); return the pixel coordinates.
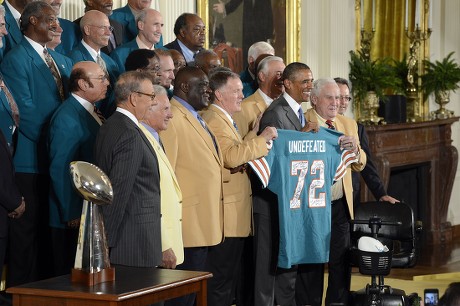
(330, 125)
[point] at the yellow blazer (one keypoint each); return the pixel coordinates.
(251, 108)
(171, 202)
(198, 167)
(350, 128)
(235, 152)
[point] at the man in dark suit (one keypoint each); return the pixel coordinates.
(369, 173)
(105, 6)
(72, 133)
(283, 113)
(96, 31)
(123, 152)
(36, 100)
(150, 24)
(190, 34)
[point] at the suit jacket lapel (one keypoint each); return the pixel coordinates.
(292, 117)
(40, 64)
(229, 124)
(260, 102)
(5, 103)
(198, 127)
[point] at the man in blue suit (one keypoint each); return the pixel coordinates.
(150, 25)
(73, 130)
(127, 16)
(96, 32)
(38, 88)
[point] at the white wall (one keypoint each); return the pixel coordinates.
(327, 35)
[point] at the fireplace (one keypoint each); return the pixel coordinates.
(417, 163)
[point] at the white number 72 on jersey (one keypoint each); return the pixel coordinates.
(316, 197)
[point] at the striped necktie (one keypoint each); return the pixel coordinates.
(203, 124)
(54, 71)
(101, 63)
(11, 103)
(99, 114)
(330, 125)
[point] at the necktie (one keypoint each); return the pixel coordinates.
(112, 43)
(54, 71)
(101, 63)
(330, 125)
(301, 117)
(236, 127)
(203, 124)
(99, 114)
(12, 103)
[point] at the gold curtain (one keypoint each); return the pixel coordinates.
(390, 39)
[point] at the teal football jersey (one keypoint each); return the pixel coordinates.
(301, 168)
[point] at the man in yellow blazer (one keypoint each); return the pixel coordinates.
(195, 157)
(156, 120)
(223, 259)
(269, 75)
(325, 99)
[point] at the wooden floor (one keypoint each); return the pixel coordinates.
(433, 260)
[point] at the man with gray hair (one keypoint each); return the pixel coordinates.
(96, 29)
(122, 151)
(248, 76)
(156, 120)
(105, 6)
(150, 25)
(269, 76)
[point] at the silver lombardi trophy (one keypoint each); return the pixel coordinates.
(92, 265)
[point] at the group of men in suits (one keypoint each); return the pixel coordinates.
(184, 200)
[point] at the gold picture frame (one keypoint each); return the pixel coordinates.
(289, 42)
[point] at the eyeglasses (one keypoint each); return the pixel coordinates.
(105, 28)
(345, 98)
(101, 78)
(152, 96)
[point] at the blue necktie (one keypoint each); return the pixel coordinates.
(207, 130)
(301, 117)
(236, 127)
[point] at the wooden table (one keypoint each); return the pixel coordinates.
(132, 286)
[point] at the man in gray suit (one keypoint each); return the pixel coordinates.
(123, 152)
(283, 113)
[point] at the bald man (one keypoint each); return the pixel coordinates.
(72, 133)
(150, 27)
(96, 29)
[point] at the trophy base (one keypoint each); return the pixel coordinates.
(91, 279)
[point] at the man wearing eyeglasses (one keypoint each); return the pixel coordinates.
(325, 98)
(72, 133)
(96, 29)
(150, 26)
(122, 151)
(190, 34)
(370, 174)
